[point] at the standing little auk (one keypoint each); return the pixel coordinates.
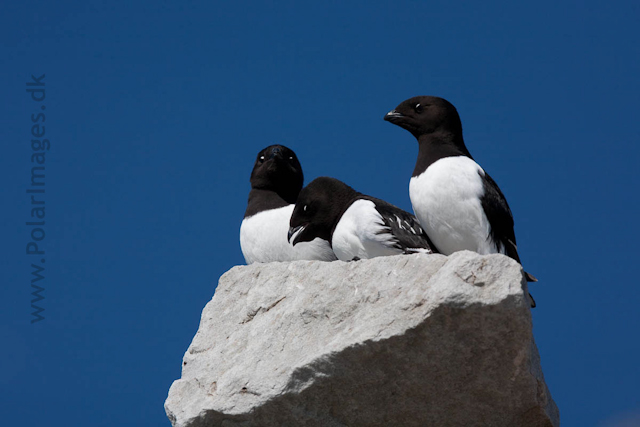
(459, 205)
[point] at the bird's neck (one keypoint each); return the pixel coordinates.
(437, 145)
(285, 187)
(261, 199)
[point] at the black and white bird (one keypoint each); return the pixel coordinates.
(276, 181)
(358, 226)
(459, 205)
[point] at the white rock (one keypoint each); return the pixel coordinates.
(408, 340)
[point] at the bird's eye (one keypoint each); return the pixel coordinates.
(304, 208)
(261, 159)
(290, 157)
(418, 108)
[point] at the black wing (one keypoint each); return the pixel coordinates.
(499, 215)
(500, 219)
(408, 234)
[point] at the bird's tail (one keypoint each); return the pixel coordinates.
(533, 302)
(531, 278)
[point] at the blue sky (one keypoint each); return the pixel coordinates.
(155, 111)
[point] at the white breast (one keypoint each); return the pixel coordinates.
(446, 201)
(263, 238)
(356, 234)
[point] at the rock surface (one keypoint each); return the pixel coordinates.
(409, 340)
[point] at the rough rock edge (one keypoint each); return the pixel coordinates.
(310, 374)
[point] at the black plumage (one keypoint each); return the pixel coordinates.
(327, 208)
(436, 125)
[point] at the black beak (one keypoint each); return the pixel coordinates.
(276, 152)
(393, 116)
(292, 231)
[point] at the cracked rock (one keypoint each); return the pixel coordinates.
(409, 340)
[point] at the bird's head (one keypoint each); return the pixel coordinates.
(277, 168)
(318, 209)
(423, 115)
